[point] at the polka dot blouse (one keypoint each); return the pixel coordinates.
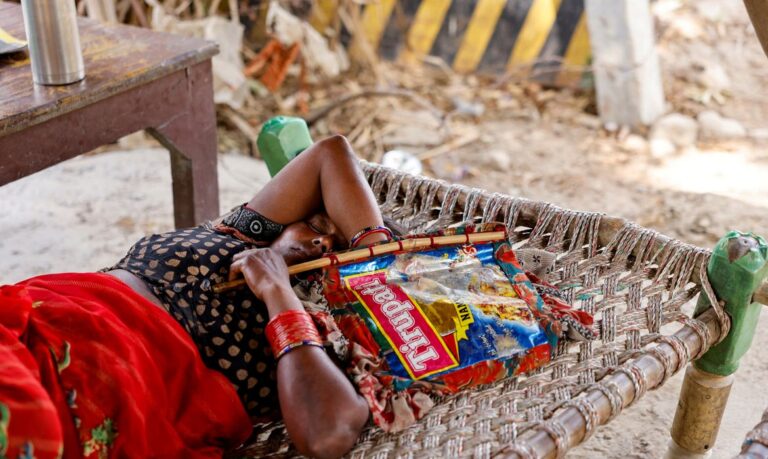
(180, 268)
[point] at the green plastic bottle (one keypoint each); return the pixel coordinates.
(281, 139)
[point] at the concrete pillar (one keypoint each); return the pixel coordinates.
(625, 62)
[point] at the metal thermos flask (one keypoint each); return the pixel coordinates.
(54, 42)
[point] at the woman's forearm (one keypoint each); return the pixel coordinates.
(321, 409)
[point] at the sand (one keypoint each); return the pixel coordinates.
(84, 214)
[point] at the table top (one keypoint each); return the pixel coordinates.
(117, 58)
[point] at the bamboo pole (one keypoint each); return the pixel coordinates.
(652, 368)
(360, 254)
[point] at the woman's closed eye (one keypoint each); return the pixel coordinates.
(316, 228)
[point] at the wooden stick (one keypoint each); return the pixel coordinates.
(360, 254)
(234, 12)
(758, 13)
(450, 146)
(321, 112)
(213, 8)
(138, 10)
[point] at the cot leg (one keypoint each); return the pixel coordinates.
(736, 269)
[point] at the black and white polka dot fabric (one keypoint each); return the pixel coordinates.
(180, 268)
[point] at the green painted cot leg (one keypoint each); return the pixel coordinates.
(738, 266)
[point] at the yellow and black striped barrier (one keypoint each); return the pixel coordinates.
(546, 40)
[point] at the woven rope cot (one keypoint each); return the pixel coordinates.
(635, 281)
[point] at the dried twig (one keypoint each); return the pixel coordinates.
(242, 124)
(450, 146)
(362, 124)
(349, 14)
(138, 10)
(324, 111)
(213, 9)
(234, 12)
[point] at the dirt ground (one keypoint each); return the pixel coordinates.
(527, 141)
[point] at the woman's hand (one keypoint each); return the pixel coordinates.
(322, 411)
(266, 273)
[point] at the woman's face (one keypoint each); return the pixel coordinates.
(308, 239)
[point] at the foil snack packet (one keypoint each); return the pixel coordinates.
(435, 321)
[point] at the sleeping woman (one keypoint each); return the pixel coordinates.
(145, 360)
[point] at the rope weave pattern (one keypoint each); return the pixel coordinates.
(588, 412)
(634, 284)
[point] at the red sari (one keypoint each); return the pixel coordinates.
(89, 368)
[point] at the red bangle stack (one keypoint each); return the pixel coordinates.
(291, 329)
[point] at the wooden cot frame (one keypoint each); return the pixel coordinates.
(572, 423)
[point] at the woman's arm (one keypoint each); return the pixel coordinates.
(322, 411)
(324, 176)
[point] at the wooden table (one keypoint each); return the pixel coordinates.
(135, 79)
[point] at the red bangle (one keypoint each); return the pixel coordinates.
(291, 329)
(365, 232)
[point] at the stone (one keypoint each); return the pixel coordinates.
(714, 77)
(588, 121)
(499, 160)
(718, 11)
(759, 134)
(662, 148)
(687, 26)
(680, 130)
(635, 143)
(139, 139)
(465, 107)
(714, 126)
(415, 128)
(402, 160)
